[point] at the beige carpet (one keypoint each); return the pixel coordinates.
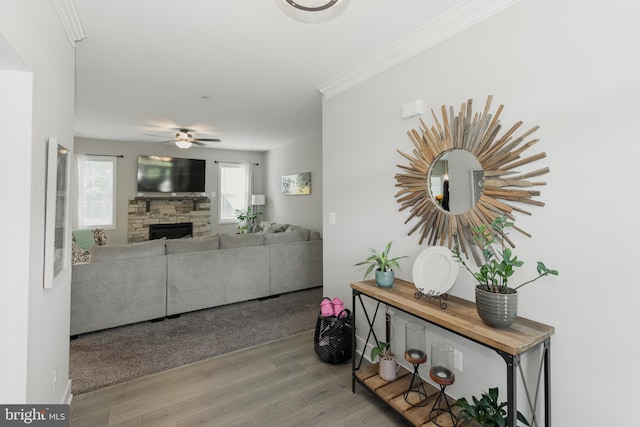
(103, 358)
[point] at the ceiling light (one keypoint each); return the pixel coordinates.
(180, 143)
(182, 136)
(313, 11)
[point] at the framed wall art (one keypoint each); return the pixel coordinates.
(296, 184)
(56, 253)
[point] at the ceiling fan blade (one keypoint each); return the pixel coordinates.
(199, 144)
(157, 136)
(164, 142)
(207, 139)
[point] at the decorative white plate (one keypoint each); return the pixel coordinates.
(435, 271)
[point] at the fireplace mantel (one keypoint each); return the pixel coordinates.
(148, 199)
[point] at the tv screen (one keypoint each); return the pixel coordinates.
(170, 174)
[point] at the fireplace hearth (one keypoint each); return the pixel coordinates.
(170, 231)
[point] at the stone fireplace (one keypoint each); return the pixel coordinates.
(146, 211)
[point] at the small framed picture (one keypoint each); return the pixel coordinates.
(296, 184)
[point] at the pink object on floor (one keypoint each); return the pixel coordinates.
(326, 307)
(338, 307)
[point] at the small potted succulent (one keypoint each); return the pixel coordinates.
(497, 301)
(383, 265)
(486, 410)
(387, 366)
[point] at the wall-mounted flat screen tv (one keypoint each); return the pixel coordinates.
(170, 175)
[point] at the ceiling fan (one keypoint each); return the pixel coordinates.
(184, 139)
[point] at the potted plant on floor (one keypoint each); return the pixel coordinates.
(486, 410)
(246, 218)
(497, 302)
(383, 265)
(387, 366)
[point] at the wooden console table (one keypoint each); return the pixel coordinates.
(461, 318)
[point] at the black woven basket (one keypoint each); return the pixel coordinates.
(332, 339)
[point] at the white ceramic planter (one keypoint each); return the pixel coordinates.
(388, 369)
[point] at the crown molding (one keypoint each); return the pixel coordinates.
(454, 21)
(70, 20)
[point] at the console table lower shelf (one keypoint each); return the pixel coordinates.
(392, 392)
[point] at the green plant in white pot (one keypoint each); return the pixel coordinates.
(383, 266)
(496, 300)
(387, 365)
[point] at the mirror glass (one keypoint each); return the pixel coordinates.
(456, 181)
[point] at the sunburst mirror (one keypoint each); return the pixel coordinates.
(461, 174)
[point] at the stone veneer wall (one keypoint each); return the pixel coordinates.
(167, 211)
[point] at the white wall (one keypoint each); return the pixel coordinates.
(568, 67)
(42, 314)
(303, 210)
(127, 170)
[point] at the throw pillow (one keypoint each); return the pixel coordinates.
(78, 255)
(84, 239)
(100, 238)
(276, 228)
(315, 235)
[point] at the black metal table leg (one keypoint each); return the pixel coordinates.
(547, 382)
(353, 342)
(512, 403)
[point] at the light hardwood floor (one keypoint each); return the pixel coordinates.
(282, 383)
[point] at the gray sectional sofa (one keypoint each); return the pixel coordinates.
(126, 284)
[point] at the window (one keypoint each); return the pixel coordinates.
(96, 192)
(234, 179)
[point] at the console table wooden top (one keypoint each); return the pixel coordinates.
(460, 317)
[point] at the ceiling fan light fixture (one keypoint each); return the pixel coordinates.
(313, 11)
(181, 143)
(182, 136)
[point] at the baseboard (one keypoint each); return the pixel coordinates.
(67, 397)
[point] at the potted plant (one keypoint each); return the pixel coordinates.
(387, 365)
(246, 218)
(383, 265)
(486, 410)
(497, 302)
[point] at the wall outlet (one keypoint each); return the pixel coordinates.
(332, 217)
(457, 360)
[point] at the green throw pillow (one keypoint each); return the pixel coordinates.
(84, 239)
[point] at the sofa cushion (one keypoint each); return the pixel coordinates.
(289, 237)
(133, 250)
(198, 244)
(229, 241)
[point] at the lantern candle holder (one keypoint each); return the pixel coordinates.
(442, 374)
(415, 353)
